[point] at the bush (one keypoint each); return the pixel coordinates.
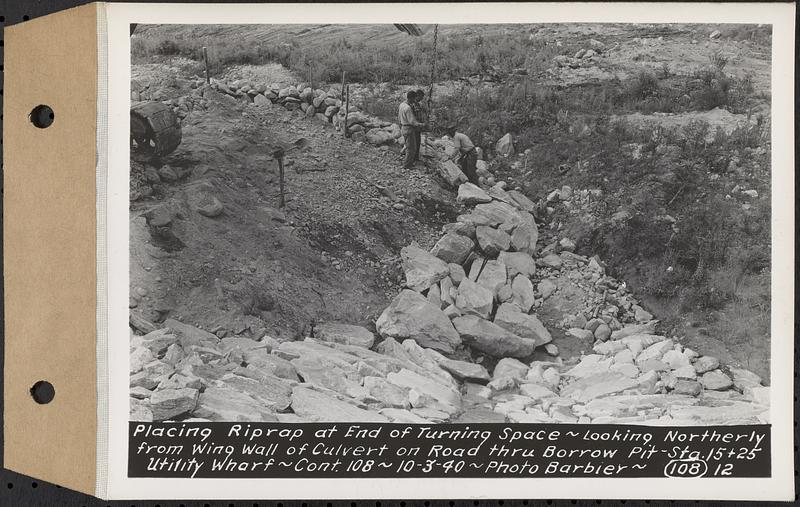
(643, 86)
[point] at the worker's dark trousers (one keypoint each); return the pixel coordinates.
(418, 136)
(468, 165)
(412, 147)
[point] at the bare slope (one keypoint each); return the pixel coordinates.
(331, 253)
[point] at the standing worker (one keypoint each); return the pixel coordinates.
(409, 126)
(466, 156)
(421, 114)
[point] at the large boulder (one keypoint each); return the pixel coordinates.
(453, 248)
(271, 392)
(140, 410)
(473, 299)
(594, 386)
(451, 173)
(307, 95)
(243, 344)
(492, 276)
(315, 370)
(705, 364)
(522, 293)
(522, 201)
(518, 263)
(638, 329)
(139, 358)
(331, 111)
(494, 214)
(525, 235)
(521, 324)
(289, 91)
(492, 241)
(425, 386)
(462, 228)
(592, 364)
(354, 117)
(261, 361)
(654, 352)
(498, 192)
(319, 407)
(344, 333)
(744, 379)
(170, 403)
(388, 394)
(511, 368)
(470, 194)
(410, 315)
(190, 335)
(379, 137)
(504, 146)
(731, 412)
(716, 380)
(492, 339)
(462, 370)
(422, 268)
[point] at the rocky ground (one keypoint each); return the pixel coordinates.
(488, 322)
(440, 337)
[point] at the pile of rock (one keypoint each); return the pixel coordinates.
(191, 94)
(633, 378)
(324, 105)
(472, 293)
(180, 372)
(582, 56)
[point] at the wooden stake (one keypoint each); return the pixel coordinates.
(280, 176)
(346, 108)
(205, 58)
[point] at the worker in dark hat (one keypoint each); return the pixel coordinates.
(465, 156)
(421, 113)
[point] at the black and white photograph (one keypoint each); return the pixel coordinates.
(452, 223)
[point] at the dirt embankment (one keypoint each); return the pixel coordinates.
(253, 268)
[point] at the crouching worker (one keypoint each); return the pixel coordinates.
(466, 156)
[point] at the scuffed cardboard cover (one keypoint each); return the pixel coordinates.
(49, 242)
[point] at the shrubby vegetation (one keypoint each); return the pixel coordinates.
(402, 64)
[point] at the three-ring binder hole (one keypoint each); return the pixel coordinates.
(43, 392)
(42, 116)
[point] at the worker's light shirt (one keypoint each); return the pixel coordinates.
(406, 115)
(462, 142)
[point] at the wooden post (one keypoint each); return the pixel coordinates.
(205, 58)
(280, 176)
(346, 108)
(343, 81)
